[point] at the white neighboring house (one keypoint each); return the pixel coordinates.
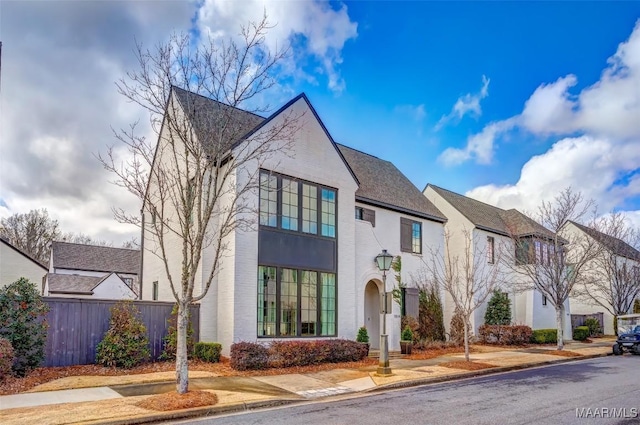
(89, 271)
(623, 256)
(490, 227)
(307, 269)
(15, 264)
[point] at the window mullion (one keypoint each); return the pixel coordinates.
(299, 301)
(278, 294)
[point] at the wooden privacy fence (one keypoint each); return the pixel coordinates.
(580, 319)
(77, 325)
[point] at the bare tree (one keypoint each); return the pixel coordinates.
(465, 275)
(32, 233)
(199, 184)
(615, 279)
(84, 239)
(553, 263)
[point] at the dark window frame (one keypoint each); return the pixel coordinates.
(407, 236)
(154, 290)
(366, 214)
(491, 256)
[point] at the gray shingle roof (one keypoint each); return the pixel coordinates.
(95, 258)
(615, 245)
(213, 120)
(494, 219)
(73, 283)
(382, 184)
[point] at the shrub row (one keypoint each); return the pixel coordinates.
(207, 351)
(254, 356)
(581, 333)
(543, 336)
(505, 334)
(6, 358)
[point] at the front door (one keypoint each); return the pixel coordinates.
(372, 313)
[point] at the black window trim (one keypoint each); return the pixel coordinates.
(408, 246)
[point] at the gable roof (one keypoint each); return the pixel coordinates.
(95, 258)
(382, 184)
(24, 254)
(493, 219)
(614, 245)
(73, 283)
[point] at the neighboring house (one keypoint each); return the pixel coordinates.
(15, 264)
(89, 271)
(617, 257)
(491, 229)
(307, 269)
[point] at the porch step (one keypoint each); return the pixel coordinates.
(375, 354)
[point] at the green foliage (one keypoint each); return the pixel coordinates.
(498, 310)
(594, 326)
(363, 335)
(581, 333)
(636, 306)
(207, 351)
(413, 324)
(430, 316)
(23, 323)
(456, 328)
(6, 358)
(125, 344)
(505, 334)
(171, 340)
(396, 266)
(252, 356)
(544, 336)
(407, 334)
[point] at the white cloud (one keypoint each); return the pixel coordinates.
(313, 28)
(467, 104)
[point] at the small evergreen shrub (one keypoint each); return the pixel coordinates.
(125, 344)
(171, 340)
(456, 329)
(544, 336)
(498, 310)
(6, 358)
(413, 325)
(505, 334)
(23, 323)
(430, 315)
(581, 333)
(407, 334)
(594, 326)
(363, 335)
(248, 356)
(207, 351)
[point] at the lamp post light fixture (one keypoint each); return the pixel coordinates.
(383, 261)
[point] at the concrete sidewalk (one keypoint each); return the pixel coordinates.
(117, 404)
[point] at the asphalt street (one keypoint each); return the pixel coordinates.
(603, 390)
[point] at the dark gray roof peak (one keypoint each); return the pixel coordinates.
(611, 243)
(75, 256)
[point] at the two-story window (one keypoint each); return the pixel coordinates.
(410, 236)
(296, 303)
(536, 251)
(298, 206)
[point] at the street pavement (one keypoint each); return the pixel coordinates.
(92, 405)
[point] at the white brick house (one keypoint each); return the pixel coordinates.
(490, 228)
(307, 269)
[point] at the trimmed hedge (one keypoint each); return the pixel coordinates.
(281, 354)
(544, 336)
(207, 351)
(581, 333)
(505, 334)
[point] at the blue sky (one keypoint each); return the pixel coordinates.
(508, 102)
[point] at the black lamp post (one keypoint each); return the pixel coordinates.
(383, 261)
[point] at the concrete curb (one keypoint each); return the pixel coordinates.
(197, 412)
(478, 373)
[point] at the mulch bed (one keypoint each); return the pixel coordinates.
(465, 365)
(175, 401)
(14, 385)
(562, 353)
(432, 353)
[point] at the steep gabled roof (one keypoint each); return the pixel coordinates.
(493, 219)
(614, 245)
(95, 258)
(73, 283)
(382, 184)
(21, 252)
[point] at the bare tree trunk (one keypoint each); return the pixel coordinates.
(559, 320)
(466, 339)
(182, 370)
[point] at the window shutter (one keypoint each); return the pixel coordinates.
(405, 235)
(369, 215)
